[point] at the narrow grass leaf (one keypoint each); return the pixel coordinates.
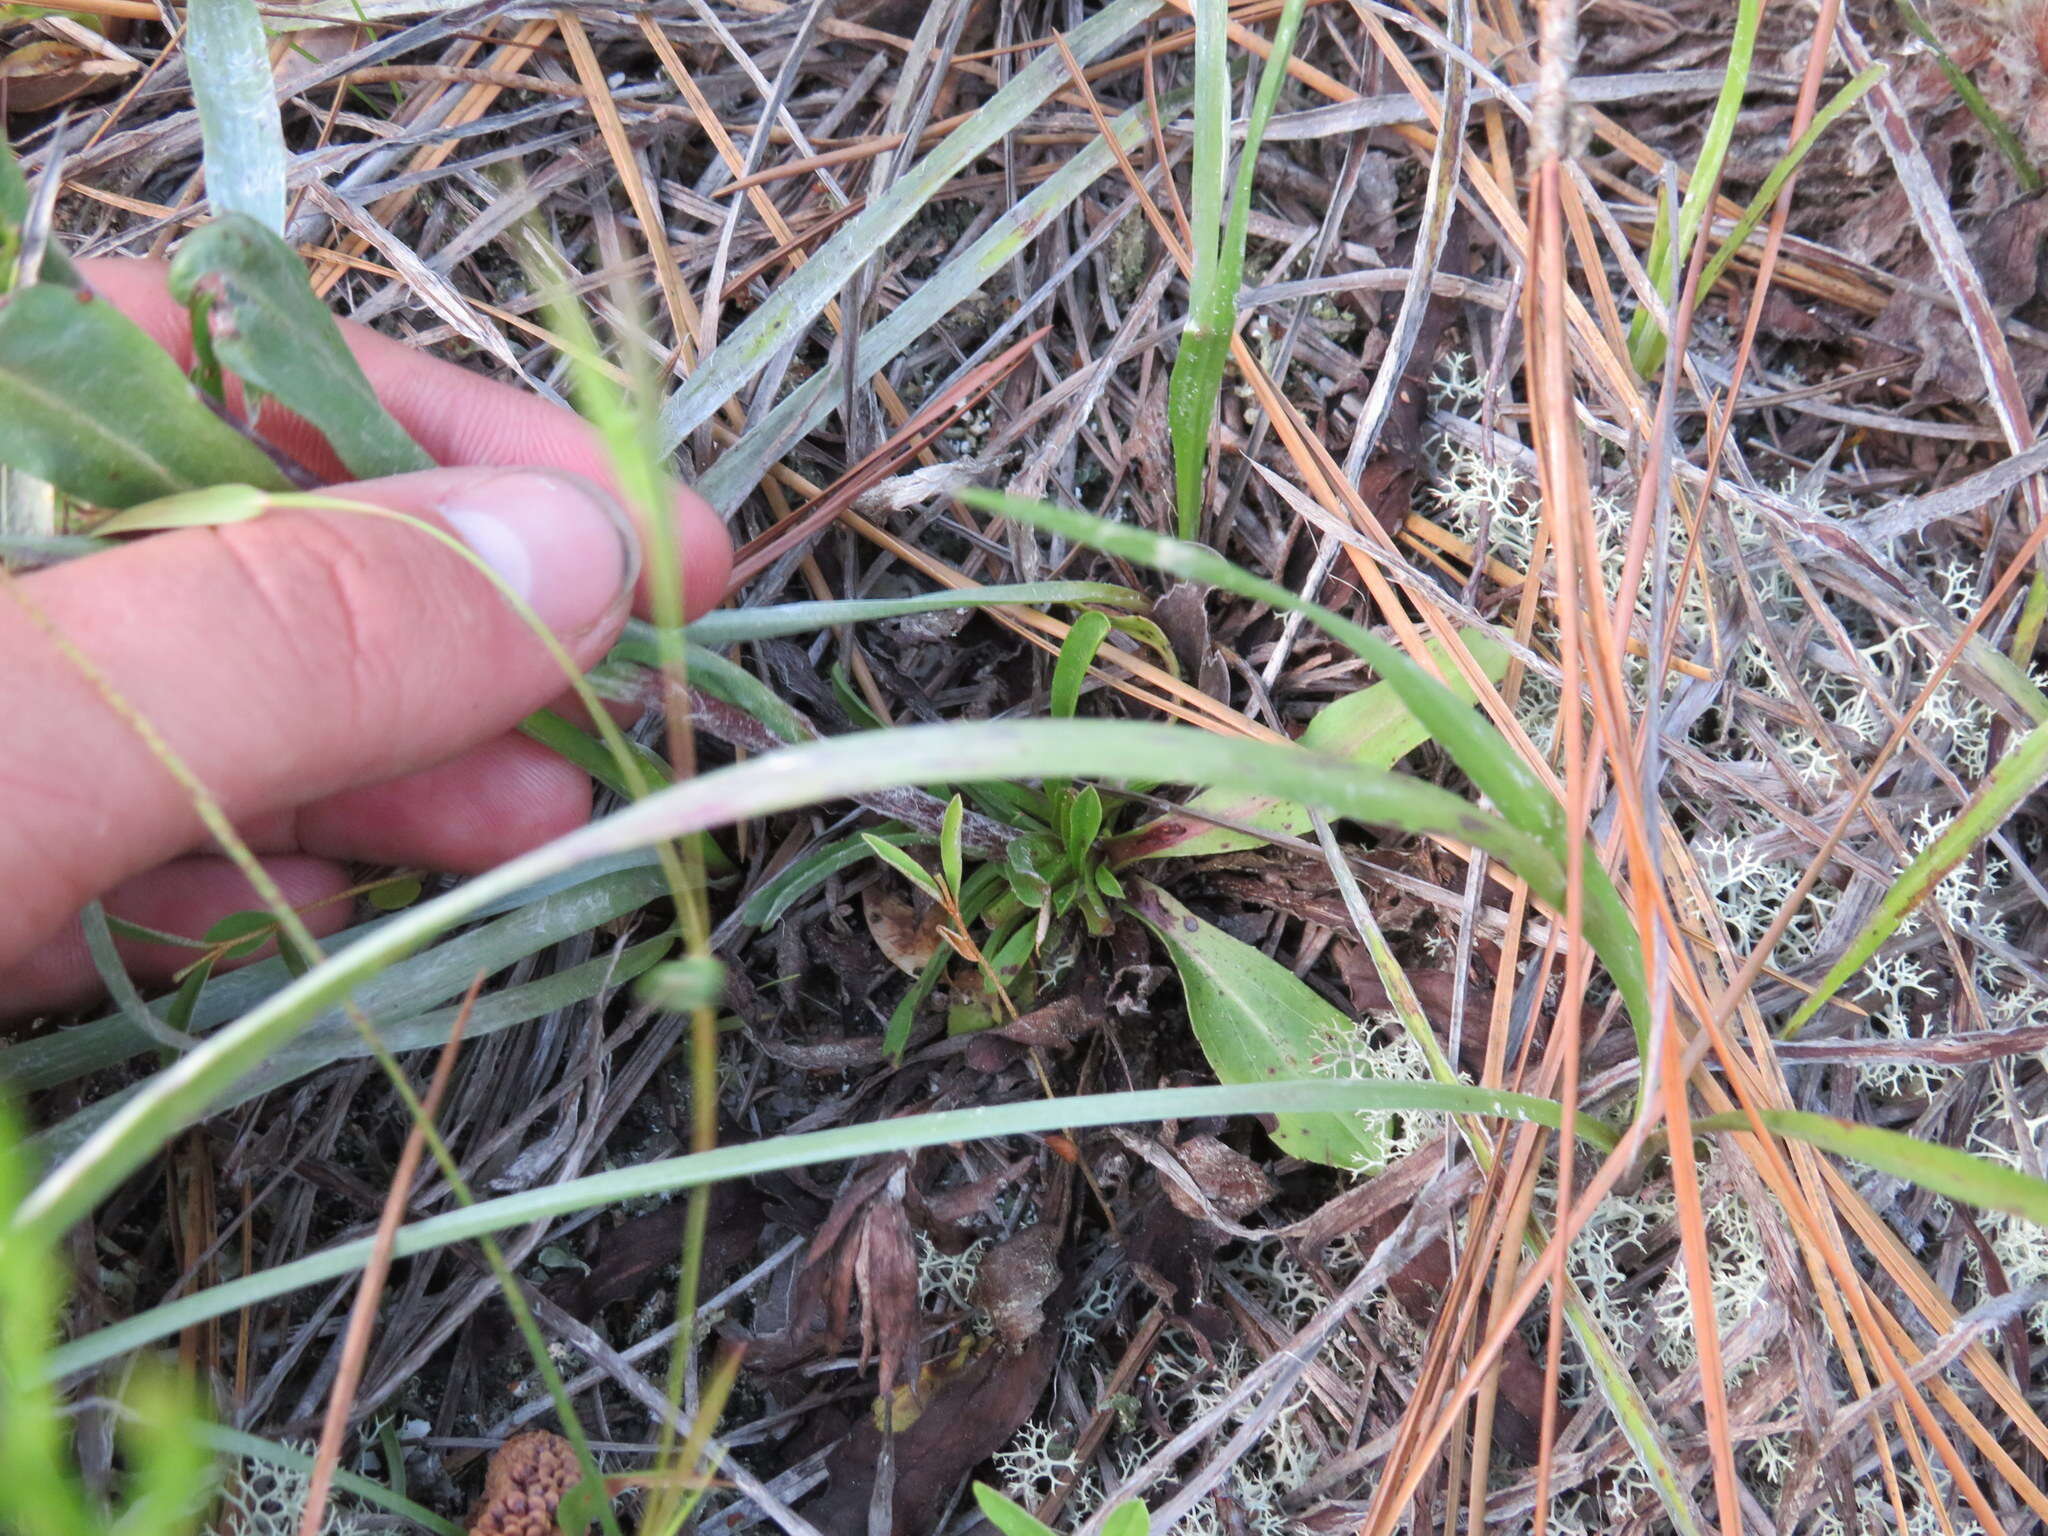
(1217, 250)
(2022, 770)
(780, 781)
(248, 289)
(730, 626)
(228, 55)
(803, 297)
(91, 404)
(1373, 727)
(808, 1149)
(902, 863)
(1780, 173)
(1950, 1171)
(1646, 338)
(214, 507)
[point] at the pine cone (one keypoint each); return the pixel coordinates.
(522, 1488)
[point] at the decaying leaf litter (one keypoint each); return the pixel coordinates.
(1835, 591)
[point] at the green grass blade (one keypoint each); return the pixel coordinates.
(1646, 337)
(1373, 727)
(248, 1447)
(804, 296)
(1790, 161)
(1977, 1181)
(2001, 132)
(228, 55)
(1077, 655)
(668, 1175)
(1216, 259)
(780, 781)
(730, 626)
(732, 478)
(2022, 770)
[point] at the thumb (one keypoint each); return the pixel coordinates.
(282, 660)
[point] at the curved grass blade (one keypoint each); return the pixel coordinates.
(1478, 749)
(91, 404)
(804, 296)
(785, 780)
(730, 626)
(1474, 745)
(228, 55)
(399, 995)
(1373, 727)
(249, 290)
(748, 1159)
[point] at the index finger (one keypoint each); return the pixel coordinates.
(460, 418)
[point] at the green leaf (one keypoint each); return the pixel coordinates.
(1259, 1022)
(902, 863)
(2015, 776)
(89, 403)
(796, 880)
(1373, 726)
(1217, 266)
(227, 54)
(249, 290)
(951, 861)
(1008, 1516)
(212, 507)
(396, 895)
(1129, 1518)
(1077, 655)
(904, 1016)
(1084, 820)
(253, 929)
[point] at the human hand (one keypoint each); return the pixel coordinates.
(344, 686)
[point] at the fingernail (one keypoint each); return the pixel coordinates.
(558, 540)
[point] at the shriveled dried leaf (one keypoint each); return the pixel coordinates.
(1235, 1184)
(1015, 1278)
(908, 938)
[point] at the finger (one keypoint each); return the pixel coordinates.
(282, 660)
(185, 897)
(459, 417)
(463, 816)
